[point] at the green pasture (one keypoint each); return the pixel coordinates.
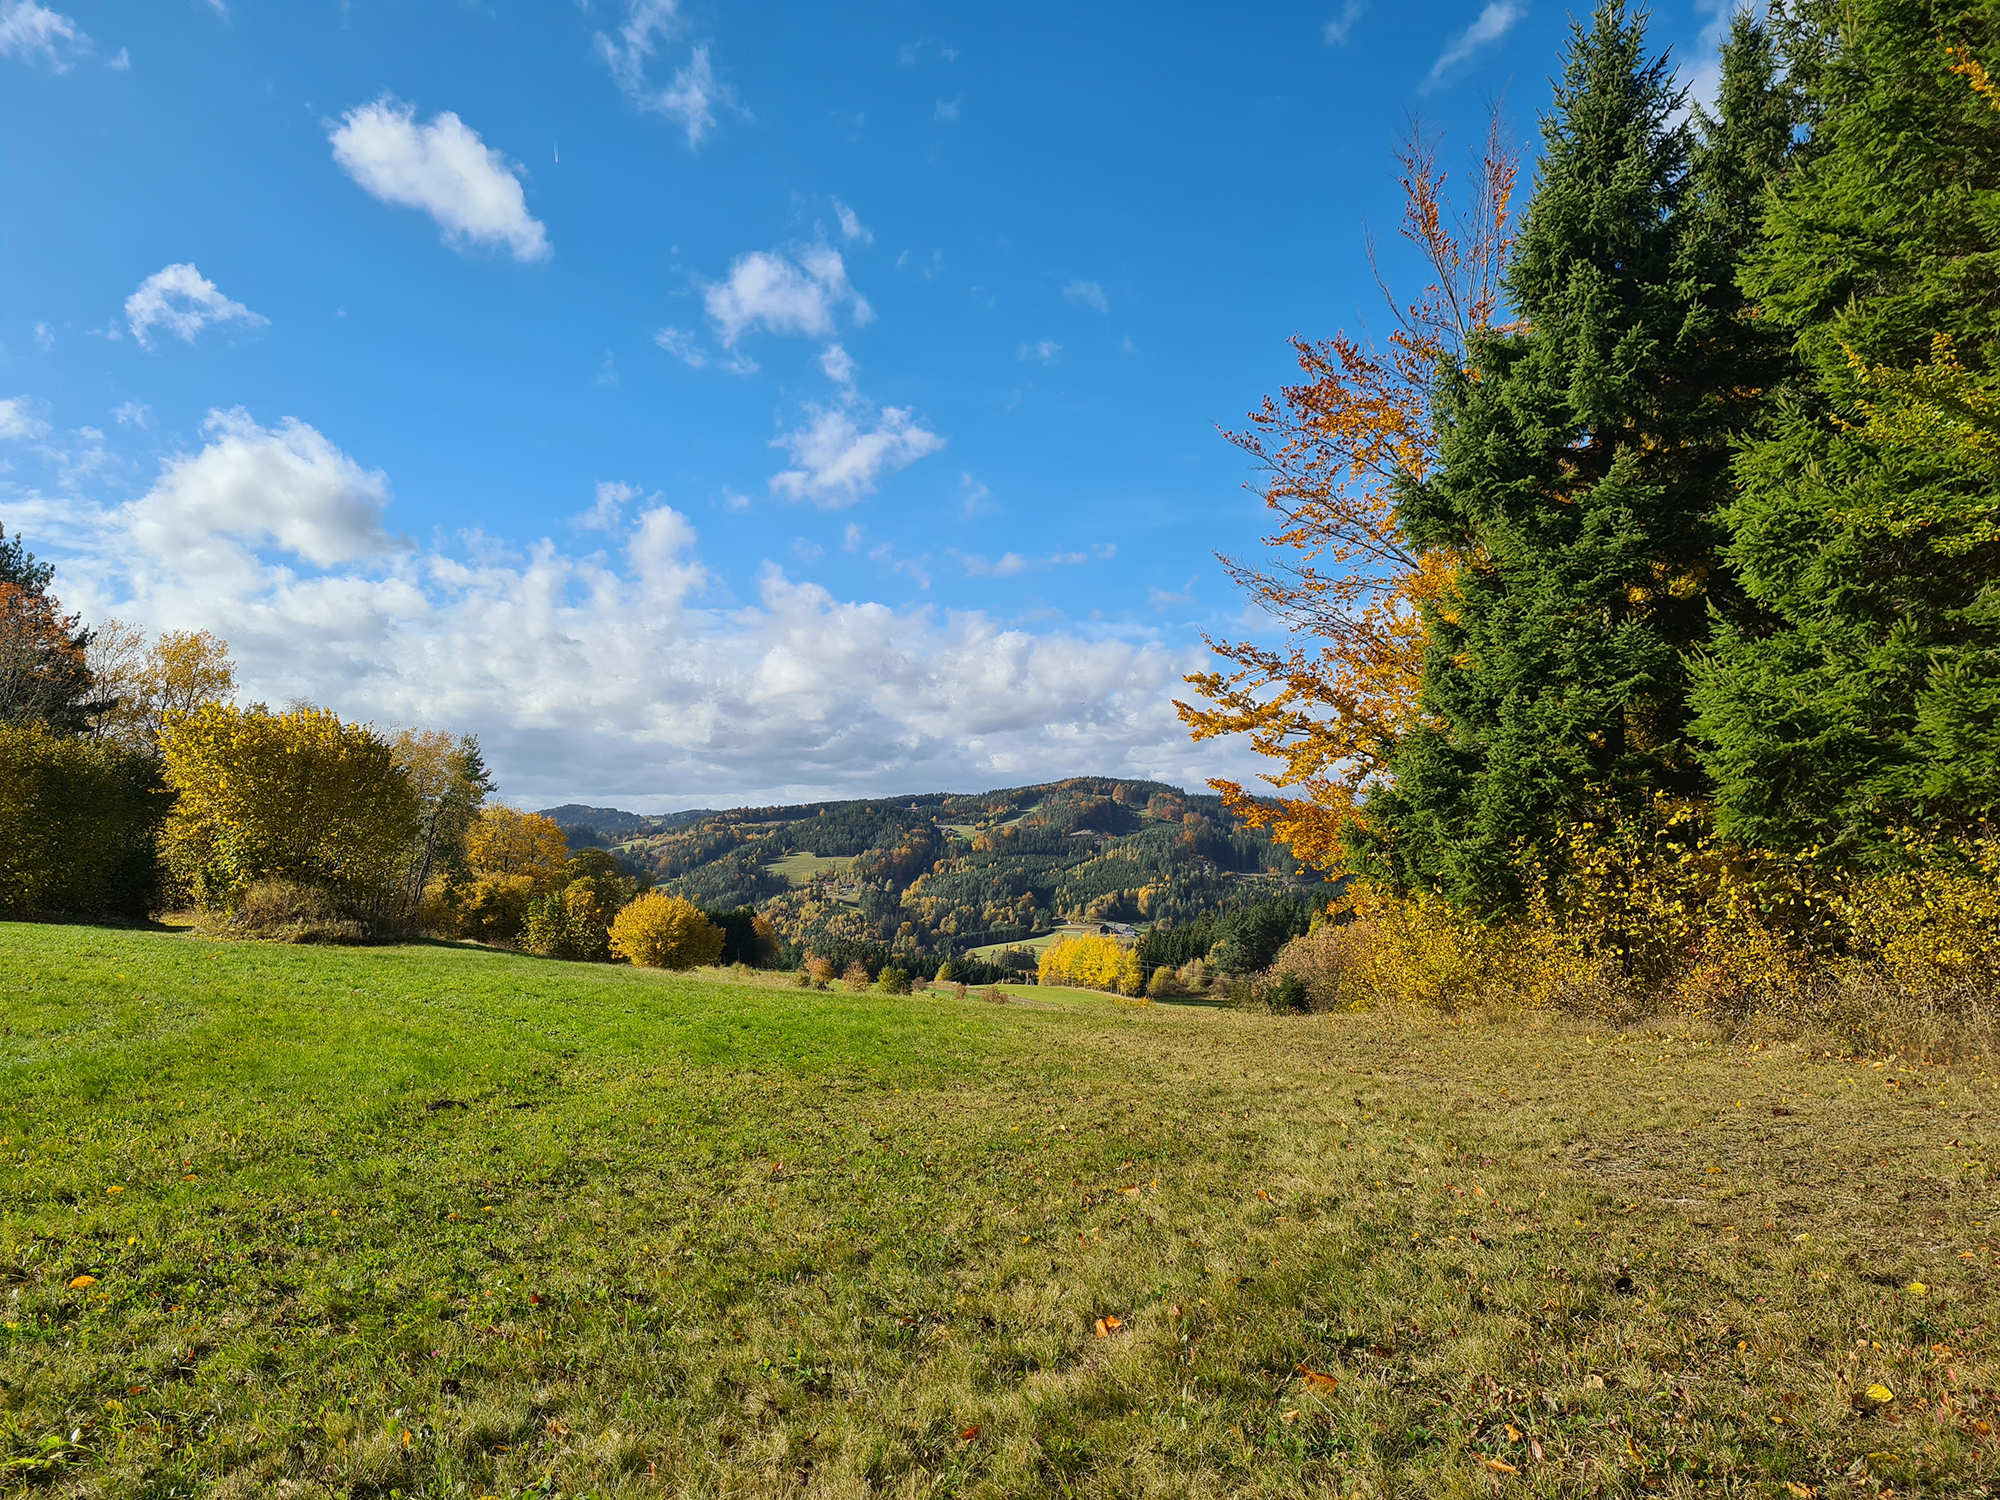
(453, 1222)
(803, 869)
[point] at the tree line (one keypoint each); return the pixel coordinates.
(131, 782)
(1662, 541)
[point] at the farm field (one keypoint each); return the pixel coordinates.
(454, 1222)
(1036, 944)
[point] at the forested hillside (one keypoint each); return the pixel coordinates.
(945, 873)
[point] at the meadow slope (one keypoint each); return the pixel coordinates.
(438, 1221)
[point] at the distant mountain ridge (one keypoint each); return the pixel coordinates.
(941, 872)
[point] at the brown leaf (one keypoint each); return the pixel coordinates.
(1535, 1447)
(1319, 1380)
(1513, 1433)
(1108, 1325)
(969, 1433)
(1501, 1465)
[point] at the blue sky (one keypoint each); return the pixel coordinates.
(704, 404)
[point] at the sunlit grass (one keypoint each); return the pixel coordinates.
(457, 1222)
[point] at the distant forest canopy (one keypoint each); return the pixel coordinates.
(942, 873)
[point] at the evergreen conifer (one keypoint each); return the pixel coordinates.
(1862, 693)
(1584, 458)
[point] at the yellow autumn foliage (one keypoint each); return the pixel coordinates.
(299, 797)
(1092, 963)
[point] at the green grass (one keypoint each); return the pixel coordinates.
(1036, 944)
(802, 869)
(441, 1221)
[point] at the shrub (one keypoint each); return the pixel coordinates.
(856, 977)
(665, 932)
(1164, 985)
(894, 981)
(820, 971)
(284, 911)
(491, 909)
(572, 923)
(77, 820)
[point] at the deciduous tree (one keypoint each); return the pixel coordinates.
(1343, 576)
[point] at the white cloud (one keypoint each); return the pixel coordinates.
(851, 227)
(947, 109)
(1492, 23)
(444, 169)
(1047, 352)
(838, 461)
(733, 501)
(976, 496)
(1340, 26)
(850, 538)
(1086, 294)
(603, 676)
(797, 293)
(45, 337)
(253, 486)
(34, 33)
(978, 565)
(182, 301)
(694, 92)
(18, 420)
(837, 364)
(612, 498)
(133, 414)
(683, 346)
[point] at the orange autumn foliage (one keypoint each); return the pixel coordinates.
(1331, 705)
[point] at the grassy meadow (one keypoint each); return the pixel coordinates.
(443, 1221)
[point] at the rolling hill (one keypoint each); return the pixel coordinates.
(944, 873)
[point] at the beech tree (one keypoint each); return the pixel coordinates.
(1342, 574)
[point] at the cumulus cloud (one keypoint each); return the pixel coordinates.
(18, 420)
(1492, 23)
(612, 498)
(1086, 294)
(851, 227)
(444, 169)
(1340, 26)
(605, 677)
(838, 459)
(796, 292)
(1047, 352)
(694, 92)
(837, 365)
(182, 301)
(34, 33)
(252, 486)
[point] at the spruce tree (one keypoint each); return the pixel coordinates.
(1862, 695)
(1584, 457)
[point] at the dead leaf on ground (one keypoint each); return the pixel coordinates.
(1108, 1325)
(1319, 1380)
(80, 1282)
(1501, 1466)
(969, 1433)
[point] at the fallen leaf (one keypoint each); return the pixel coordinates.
(1319, 1380)
(1880, 1394)
(114, 1190)
(535, 1298)
(1982, 1428)
(1130, 1192)
(1535, 1447)
(1917, 1289)
(1264, 1195)
(1501, 1465)
(1513, 1433)
(1289, 1416)
(969, 1433)
(1803, 1491)
(1108, 1325)
(82, 1281)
